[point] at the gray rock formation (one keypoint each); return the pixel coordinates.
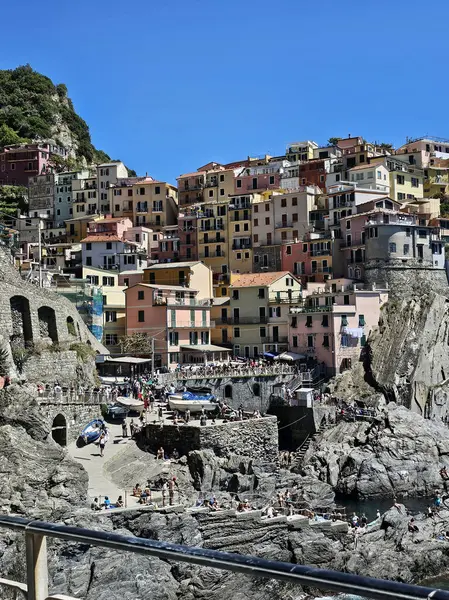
(399, 454)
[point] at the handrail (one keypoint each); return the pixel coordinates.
(324, 579)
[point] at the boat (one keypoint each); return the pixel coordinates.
(199, 390)
(90, 433)
(193, 402)
(130, 403)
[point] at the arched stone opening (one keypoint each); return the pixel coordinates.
(59, 430)
(71, 329)
(228, 391)
(22, 331)
(47, 323)
(256, 389)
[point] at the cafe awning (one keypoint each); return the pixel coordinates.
(205, 348)
(270, 354)
(290, 356)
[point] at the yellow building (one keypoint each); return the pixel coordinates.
(155, 204)
(240, 233)
(194, 275)
(120, 198)
(76, 228)
(436, 179)
(84, 196)
(406, 181)
(114, 305)
(221, 325)
(260, 304)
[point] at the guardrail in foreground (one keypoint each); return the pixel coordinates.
(37, 572)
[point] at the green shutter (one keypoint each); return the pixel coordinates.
(344, 321)
(363, 340)
(361, 320)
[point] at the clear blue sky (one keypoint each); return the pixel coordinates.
(169, 86)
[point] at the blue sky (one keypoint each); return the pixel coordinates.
(169, 86)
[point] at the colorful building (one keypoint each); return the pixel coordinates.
(240, 233)
(333, 324)
(20, 162)
(259, 309)
(155, 204)
(311, 260)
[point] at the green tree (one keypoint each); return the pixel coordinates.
(332, 141)
(8, 136)
(13, 197)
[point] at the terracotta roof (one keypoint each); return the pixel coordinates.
(367, 166)
(196, 174)
(101, 238)
(258, 279)
(111, 219)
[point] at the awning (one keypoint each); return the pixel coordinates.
(290, 356)
(131, 360)
(270, 354)
(205, 348)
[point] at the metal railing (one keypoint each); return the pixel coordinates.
(36, 588)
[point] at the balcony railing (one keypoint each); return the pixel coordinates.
(242, 321)
(281, 339)
(215, 240)
(354, 242)
(212, 254)
(188, 325)
(321, 270)
(213, 227)
(242, 247)
(241, 217)
(284, 224)
(321, 253)
(160, 300)
(36, 588)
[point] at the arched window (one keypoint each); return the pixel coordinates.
(256, 389)
(47, 323)
(21, 319)
(59, 430)
(228, 391)
(71, 329)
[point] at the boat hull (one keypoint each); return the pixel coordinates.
(194, 406)
(91, 433)
(130, 403)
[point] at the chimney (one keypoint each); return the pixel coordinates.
(146, 174)
(349, 135)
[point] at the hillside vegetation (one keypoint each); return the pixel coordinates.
(32, 107)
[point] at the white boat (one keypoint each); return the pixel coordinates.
(177, 402)
(130, 403)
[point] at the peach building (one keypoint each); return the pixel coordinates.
(334, 322)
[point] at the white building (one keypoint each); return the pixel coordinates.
(107, 174)
(110, 252)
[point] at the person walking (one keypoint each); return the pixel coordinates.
(124, 429)
(102, 443)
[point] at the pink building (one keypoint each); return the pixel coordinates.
(178, 321)
(310, 259)
(257, 182)
(334, 323)
(19, 163)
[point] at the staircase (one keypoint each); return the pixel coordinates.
(294, 384)
(301, 451)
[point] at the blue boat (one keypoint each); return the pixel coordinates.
(91, 433)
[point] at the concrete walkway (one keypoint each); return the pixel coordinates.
(89, 457)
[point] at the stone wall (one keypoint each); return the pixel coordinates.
(256, 439)
(76, 416)
(273, 254)
(404, 280)
(296, 423)
(245, 389)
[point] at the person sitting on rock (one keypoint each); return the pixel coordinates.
(95, 504)
(354, 520)
(412, 527)
(160, 454)
(213, 504)
(119, 503)
(437, 501)
(137, 490)
(175, 454)
(107, 502)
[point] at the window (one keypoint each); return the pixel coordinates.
(255, 238)
(401, 196)
(173, 338)
(222, 192)
(288, 250)
(326, 340)
(256, 222)
(111, 339)
(346, 300)
(111, 316)
(141, 316)
(362, 321)
(392, 247)
(344, 320)
(261, 293)
(236, 332)
(239, 183)
(406, 249)
(267, 220)
(283, 202)
(309, 321)
(325, 321)
(400, 179)
(304, 247)
(415, 182)
(126, 282)
(13, 166)
(237, 228)
(228, 388)
(141, 295)
(255, 209)
(88, 261)
(310, 341)
(294, 201)
(108, 245)
(235, 294)
(295, 341)
(422, 233)
(88, 246)
(239, 255)
(108, 281)
(271, 179)
(262, 332)
(344, 341)
(211, 193)
(267, 207)
(157, 189)
(245, 226)
(142, 191)
(221, 177)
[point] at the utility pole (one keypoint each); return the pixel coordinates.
(39, 251)
(152, 356)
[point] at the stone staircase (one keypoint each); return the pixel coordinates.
(301, 451)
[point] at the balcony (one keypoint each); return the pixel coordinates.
(353, 243)
(216, 240)
(188, 302)
(280, 339)
(284, 225)
(213, 227)
(439, 180)
(241, 247)
(321, 253)
(335, 308)
(321, 270)
(241, 217)
(242, 321)
(212, 255)
(188, 325)
(142, 207)
(191, 187)
(404, 221)
(285, 298)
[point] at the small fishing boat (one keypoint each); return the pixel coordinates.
(90, 433)
(193, 402)
(130, 403)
